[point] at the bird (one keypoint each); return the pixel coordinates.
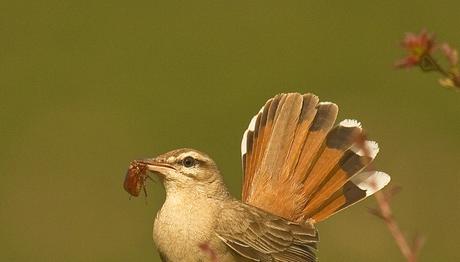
(298, 170)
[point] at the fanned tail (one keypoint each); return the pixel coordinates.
(298, 166)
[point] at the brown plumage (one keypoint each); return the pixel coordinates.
(297, 165)
(298, 170)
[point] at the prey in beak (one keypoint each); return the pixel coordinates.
(136, 176)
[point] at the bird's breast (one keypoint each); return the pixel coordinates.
(184, 225)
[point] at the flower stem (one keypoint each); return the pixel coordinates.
(434, 66)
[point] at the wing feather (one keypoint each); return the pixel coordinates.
(259, 236)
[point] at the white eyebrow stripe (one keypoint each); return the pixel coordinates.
(193, 154)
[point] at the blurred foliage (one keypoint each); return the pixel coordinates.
(87, 86)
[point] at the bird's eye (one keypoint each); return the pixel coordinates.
(188, 161)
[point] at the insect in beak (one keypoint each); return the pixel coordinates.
(136, 177)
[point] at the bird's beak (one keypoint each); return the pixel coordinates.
(156, 166)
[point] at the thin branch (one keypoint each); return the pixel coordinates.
(384, 212)
(390, 221)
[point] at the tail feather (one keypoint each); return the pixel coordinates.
(282, 135)
(326, 114)
(353, 191)
(328, 157)
(306, 118)
(350, 164)
(298, 166)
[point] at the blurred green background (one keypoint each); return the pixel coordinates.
(87, 86)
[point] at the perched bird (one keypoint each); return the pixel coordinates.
(299, 169)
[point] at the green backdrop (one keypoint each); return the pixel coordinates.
(87, 86)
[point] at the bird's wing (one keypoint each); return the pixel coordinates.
(297, 165)
(259, 236)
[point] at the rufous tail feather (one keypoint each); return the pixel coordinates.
(298, 165)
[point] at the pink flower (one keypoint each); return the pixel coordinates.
(450, 53)
(417, 46)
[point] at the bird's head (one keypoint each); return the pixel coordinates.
(184, 168)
